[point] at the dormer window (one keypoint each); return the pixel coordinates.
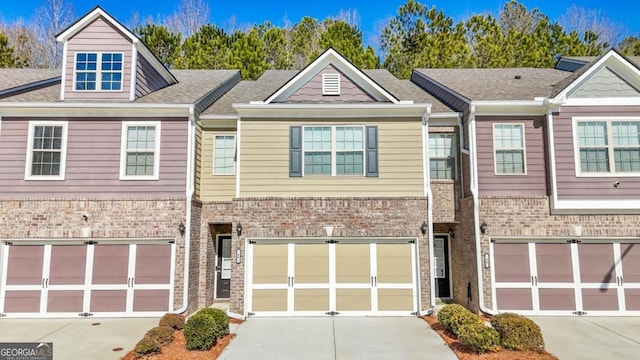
(98, 71)
(330, 84)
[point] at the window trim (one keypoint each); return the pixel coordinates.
(576, 145)
(98, 71)
(454, 145)
(334, 150)
(123, 151)
(63, 150)
(495, 149)
(213, 161)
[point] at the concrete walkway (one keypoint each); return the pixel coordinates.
(340, 338)
(588, 338)
(89, 338)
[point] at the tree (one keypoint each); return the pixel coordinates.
(630, 46)
(595, 21)
(7, 59)
(275, 46)
(246, 52)
(208, 48)
(486, 40)
(189, 17)
(305, 41)
(347, 40)
(22, 39)
(162, 43)
(50, 19)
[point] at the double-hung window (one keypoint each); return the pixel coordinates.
(333, 150)
(98, 71)
(140, 159)
(224, 154)
(509, 149)
(47, 145)
(442, 153)
(609, 146)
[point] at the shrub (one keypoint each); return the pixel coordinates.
(221, 318)
(478, 337)
(518, 332)
(174, 321)
(199, 332)
(162, 335)
(146, 346)
(453, 316)
(461, 319)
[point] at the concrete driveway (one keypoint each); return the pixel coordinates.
(79, 338)
(341, 338)
(591, 337)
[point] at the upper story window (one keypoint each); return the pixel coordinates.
(509, 149)
(98, 71)
(224, 149)
(609, 146)
(46, 150)
(140, 159)
(442, 153)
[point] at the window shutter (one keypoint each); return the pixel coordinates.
(295, 151)
(372, 151)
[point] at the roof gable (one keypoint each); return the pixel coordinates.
(332, 58)
(312, 91)
(606, 83)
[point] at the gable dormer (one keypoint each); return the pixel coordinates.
(104, 61)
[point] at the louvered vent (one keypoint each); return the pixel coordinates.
(330, 84)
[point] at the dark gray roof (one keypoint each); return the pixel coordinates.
(498, 84)
(10, 78)
(272, 80)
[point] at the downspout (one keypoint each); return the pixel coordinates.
(190, 192)
(473, 160)
(462, 151)
(238, 144)
(429, 195)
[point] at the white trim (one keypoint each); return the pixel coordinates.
(98, 72)
(156, 154)
(552, 157)
(238, 152)
(216, 264)
(446, 157)
(134, 72)
(324, 111)
(334, 150)
(495, 150)
(63, 79)
(213, 167)
(596, 102)
(89, 18)
(63, 150)
(598, 206)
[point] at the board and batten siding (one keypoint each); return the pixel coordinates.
(98, 36)
(93, 162)
(534, 182)
(264, 161)
(214, 187)
(571, 187)
(312, 90)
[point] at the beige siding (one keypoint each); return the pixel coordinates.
(265, 162)
(214, 187)
(98, 36)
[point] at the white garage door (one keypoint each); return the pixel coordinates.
(86, 279)
(346, 277)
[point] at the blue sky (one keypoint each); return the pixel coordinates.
(371, 12)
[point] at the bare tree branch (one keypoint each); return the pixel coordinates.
(48, 20)
(189, 17)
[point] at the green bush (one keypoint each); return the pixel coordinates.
(146, 346)
(174, 321)
(518, 332)
(478, 337)
(199, 332)
(162, 335)
(221, 318)
(453, 316)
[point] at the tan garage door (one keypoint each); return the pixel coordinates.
(349, 277)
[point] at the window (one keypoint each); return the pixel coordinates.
(508, 144)
(224, 154)
(337, 150)
(442, 153)
(46, 151)
(101, 71)
(140, 151)
(608, 146)
(330, 84)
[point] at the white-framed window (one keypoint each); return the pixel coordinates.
(98, 71)
(442, 156)
(46, 150)
(330, 84)
(606, 146)
(509, 149)
(224, 153)
(333, 150)
(140, 151)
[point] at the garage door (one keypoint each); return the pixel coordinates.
(86, 279)
(565, 278)
(346, 277)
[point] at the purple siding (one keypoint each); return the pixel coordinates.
(148, 79)
(93, 161)
(571, 187)
(98, 36)
(534, 182)
(312, 91)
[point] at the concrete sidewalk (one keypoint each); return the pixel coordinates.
(89, 338)
(341, 338)
(588, 338)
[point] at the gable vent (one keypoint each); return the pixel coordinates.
(330, 84)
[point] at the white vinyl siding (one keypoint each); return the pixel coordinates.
(509, 149)
(140, 151)
(224, 154)
(46, 151)
(333, 150)
(442, 153)
(607, 146)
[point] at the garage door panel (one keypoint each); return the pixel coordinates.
(353, 264)
(353, 299)
(269, 300)
(22, 301)
(25, 264)
(153, 264)
(604, 299)
(108, 301)
(630, 258)
(270, 264)
(311, 300)
(65, 301)
(394, 264)
(395, 299)
(514, 299)
(110, 264)
(68, 265)
(511, 262)
(557, 299)
(151, 300)
(596, 263)
(312, 264)
(554, 263)
(632, 299)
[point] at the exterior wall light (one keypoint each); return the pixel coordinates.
(181, 228)
(483, 227)
(239, 229)
(451, 233)
(424, 227)
(487, 263)
(238, 256)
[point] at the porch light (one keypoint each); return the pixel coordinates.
(483, 227)
(239, 229)
(424, 227)
(451, 233)
(181, 228)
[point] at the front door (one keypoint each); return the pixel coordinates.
(223, 268)
(441, 266)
